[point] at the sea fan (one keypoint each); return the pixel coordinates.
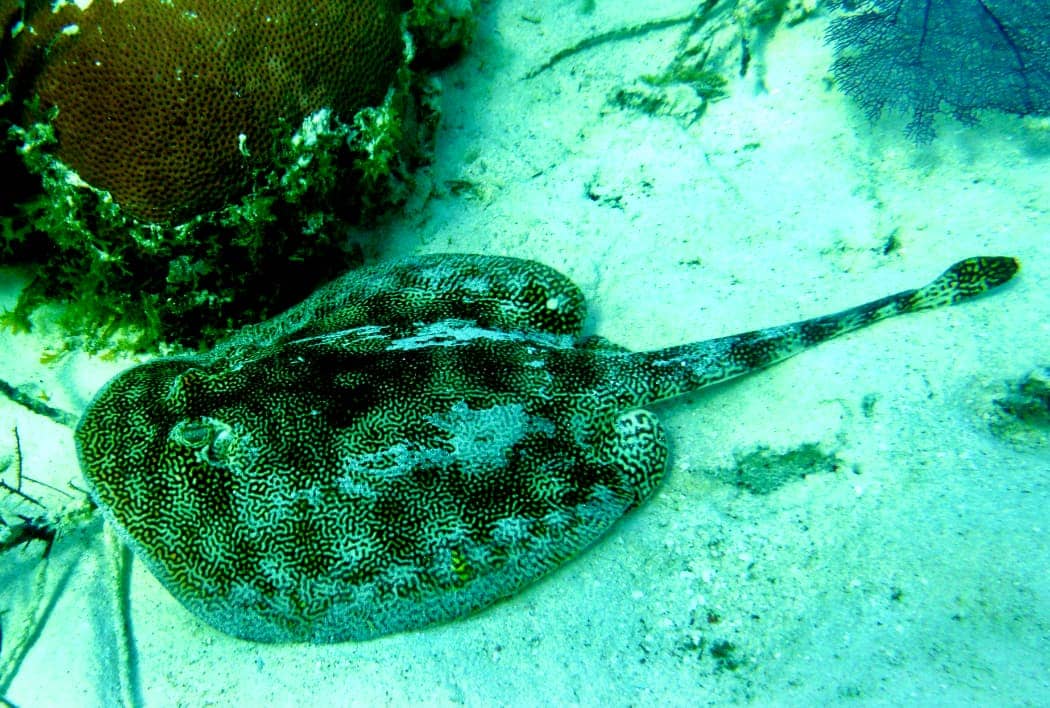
(959, 57)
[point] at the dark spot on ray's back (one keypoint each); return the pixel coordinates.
(371, 462)
(752, 350)
(819, 330)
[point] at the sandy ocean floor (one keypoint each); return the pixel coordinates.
(890, 542)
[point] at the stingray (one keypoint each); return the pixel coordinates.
(412, 443)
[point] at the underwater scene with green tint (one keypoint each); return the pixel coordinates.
(447, 352)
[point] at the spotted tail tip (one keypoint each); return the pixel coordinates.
(984, 272)
(968, 278)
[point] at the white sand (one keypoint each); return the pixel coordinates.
(914, 573)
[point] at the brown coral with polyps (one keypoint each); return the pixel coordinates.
(170, 106)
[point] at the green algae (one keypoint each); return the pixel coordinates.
(763, 471)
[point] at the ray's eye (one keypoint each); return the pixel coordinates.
(215, 443)
(194, 434)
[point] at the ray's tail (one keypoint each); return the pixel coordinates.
(677, 370)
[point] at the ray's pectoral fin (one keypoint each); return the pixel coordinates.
(496, 292)
(637, 449)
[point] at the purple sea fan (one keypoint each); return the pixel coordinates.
(959, 57)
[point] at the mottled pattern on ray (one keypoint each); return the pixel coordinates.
(412, 443)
